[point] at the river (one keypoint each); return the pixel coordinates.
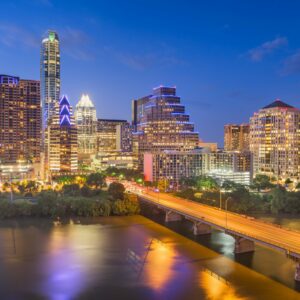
(133, 258)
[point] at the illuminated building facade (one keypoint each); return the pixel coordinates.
(20, 124)
(162, 124)
(210, 146)
(275, 141)
(86, 121)
(116, 159)
(236, 137)
(175, 165)
(62, 136)
(50, 74)
(113, 135)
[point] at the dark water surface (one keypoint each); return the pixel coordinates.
(133, 258)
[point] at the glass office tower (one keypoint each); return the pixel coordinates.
(50, 75)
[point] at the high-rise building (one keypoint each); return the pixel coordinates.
(30, 94)
(172, 166)
(162, 124)
(137, 109)
(20, 121)
(50, 74)
(124, 137)
(86, 121)
(275, 141)
(236, 137)
(112, 135)
(62, 153)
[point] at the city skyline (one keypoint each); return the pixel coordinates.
(106, 47)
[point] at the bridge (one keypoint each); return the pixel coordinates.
(246, 230)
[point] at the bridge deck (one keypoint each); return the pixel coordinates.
(264, 233)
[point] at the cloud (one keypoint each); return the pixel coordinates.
(75, 42)
(16, 36)
(258, 53)
(291, 65)
(146, 60)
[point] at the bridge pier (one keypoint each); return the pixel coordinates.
(201, 228)
(297, 273)
(172, 216)
(243, 245)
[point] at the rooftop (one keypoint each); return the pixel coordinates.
(85, 101)
(278, 104)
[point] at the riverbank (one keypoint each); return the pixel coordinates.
(50, 204)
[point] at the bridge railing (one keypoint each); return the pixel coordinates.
(282, 246)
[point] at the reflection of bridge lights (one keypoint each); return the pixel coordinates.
(216, 287)
(159, 265)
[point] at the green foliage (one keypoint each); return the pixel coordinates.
(187, 194)
(163, 185)
(125, 207)
(188, 182)
(288, 181)
(96, 180)
(261, 182)
(116, 190)
(123, 173)
(206, 183)
(71, 189)
(278, 199)
(65, 179)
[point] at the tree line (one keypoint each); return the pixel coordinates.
(77, 196)
(262, 196)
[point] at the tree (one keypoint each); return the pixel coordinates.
(261, 182)
(31, 187)
(126, 206)
(116, 190)
(187, 194)
(96, 180)
(188, 182)
(163, 184)
(288, 181)
(71, 189)
(85, 191)
(278, 199)
(207, 183)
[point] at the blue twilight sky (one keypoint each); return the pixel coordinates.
(227, 58)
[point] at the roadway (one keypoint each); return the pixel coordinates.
(265, 233)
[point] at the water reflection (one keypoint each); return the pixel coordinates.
(69, 262)
(160, 260)
(217, 288)
(121, 258)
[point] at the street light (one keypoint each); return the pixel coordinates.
(221, 198)
(229, 198)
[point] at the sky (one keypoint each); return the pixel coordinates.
(226, 58)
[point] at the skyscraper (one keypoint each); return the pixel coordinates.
(110, 134)
(236, 137)
(50, 74)
(86, 121)
(62, 136)
(162, 124)
(20, 121)
(275, 140)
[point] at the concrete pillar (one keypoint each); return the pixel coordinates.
(243, 245)
(297, 273)
(201, 228)
(171, 216)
